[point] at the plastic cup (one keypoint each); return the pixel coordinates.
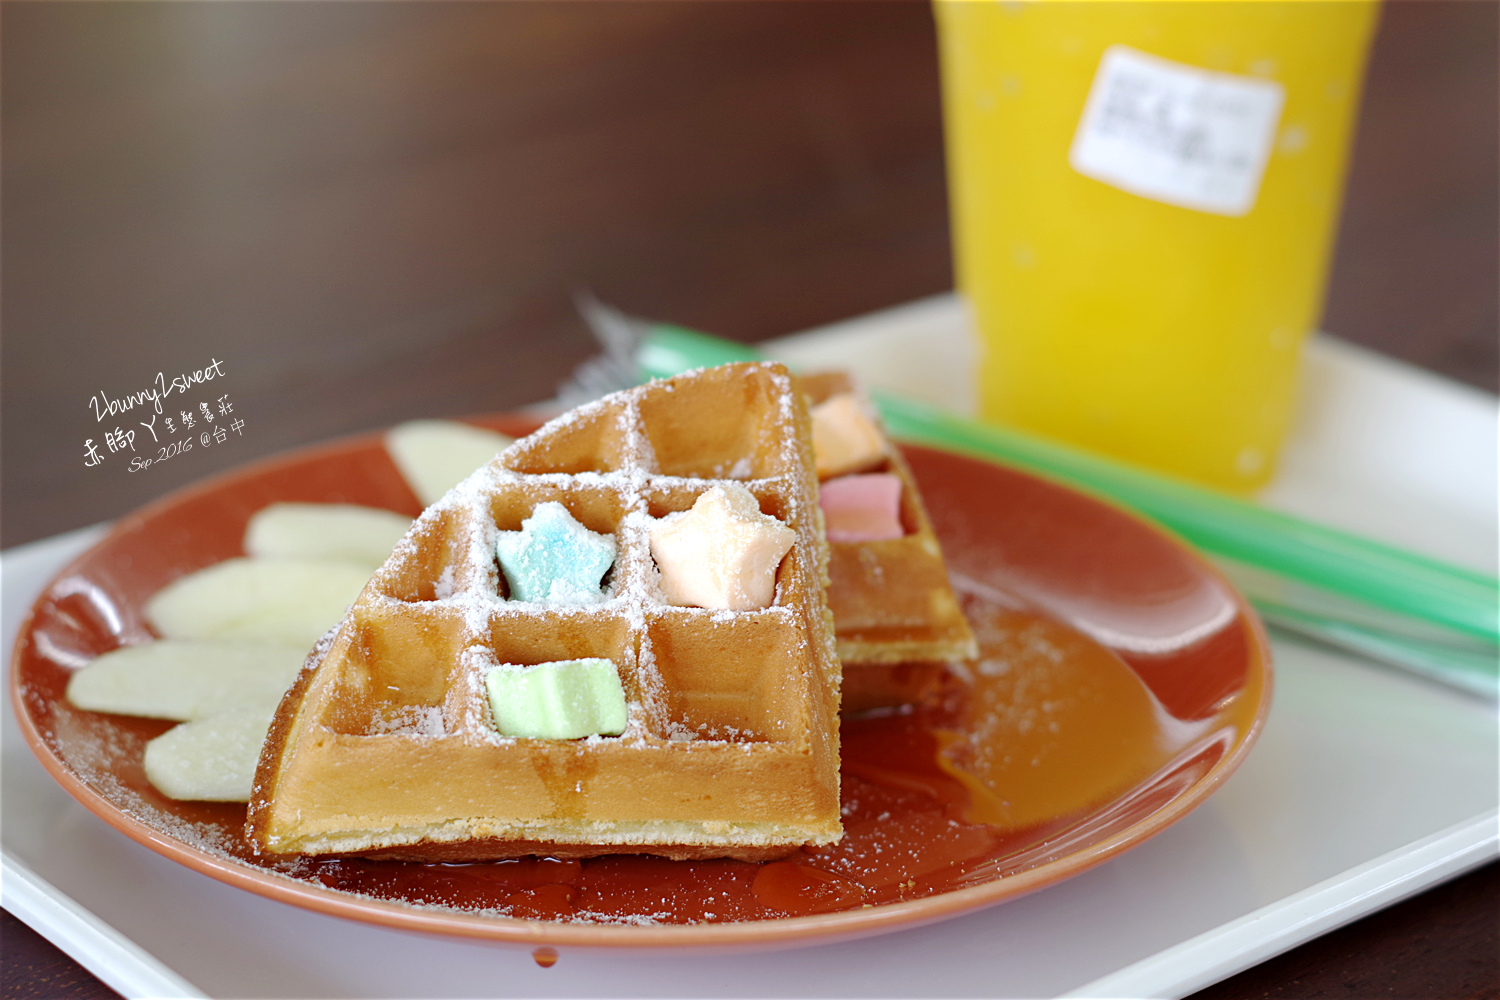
(1144, 196)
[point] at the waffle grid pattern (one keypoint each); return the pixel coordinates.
(891, 600)
(714, 697)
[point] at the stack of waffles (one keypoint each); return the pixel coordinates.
(387, 745)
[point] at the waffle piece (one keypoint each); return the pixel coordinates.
(891, 599)
(386, 745)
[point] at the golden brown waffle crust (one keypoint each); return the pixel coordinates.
(891, 600)
(385, 744)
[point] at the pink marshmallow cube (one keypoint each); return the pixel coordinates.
(863, 508)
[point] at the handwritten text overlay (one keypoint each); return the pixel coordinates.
(167, 434)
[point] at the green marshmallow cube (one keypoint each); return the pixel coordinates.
(560, 700)
(553, 559)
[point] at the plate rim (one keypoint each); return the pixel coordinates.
(777, 933)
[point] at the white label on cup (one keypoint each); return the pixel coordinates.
(1177, 133)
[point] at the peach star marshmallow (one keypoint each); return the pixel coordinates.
(844, 438)
(722, 554)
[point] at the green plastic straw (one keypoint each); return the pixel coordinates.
(1357, 568)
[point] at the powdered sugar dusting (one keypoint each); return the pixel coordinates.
(627, 470)
(444, 579)
(412, 720)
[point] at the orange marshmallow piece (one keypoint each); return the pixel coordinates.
(864, 508)
(722, 554)
(845, 439)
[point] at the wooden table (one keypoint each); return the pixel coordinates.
(369, 212)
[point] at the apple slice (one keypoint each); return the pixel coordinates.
(287, 601)
(186, 679)
(437, 455)
(211, 759)
(341, 531)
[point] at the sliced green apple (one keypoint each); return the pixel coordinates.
(186, 679)
(340, 531)
(288, 601)
(211, 759)
(437, 455)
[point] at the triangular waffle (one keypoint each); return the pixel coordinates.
(891, 599)
(386, 745)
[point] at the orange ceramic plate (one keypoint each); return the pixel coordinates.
(1122, 680)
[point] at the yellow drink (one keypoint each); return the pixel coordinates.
(1163, 333)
